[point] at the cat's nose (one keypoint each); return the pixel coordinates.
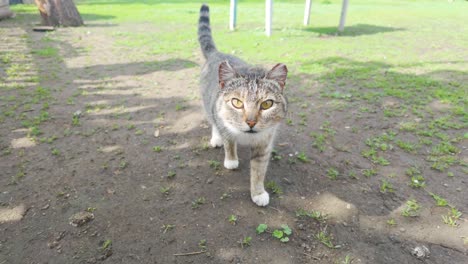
(251, 123)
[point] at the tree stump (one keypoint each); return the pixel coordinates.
(59, 13)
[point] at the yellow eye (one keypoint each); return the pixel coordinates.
(266, 104)
(237, 103)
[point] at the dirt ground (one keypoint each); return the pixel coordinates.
(124, 143)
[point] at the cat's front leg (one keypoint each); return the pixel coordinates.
(258, 167)
(231, 161)
(216, 139)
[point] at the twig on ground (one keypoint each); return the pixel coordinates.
(190, 253)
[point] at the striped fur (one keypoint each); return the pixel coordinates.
(204, 32)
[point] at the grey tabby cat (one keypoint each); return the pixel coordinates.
(244, 105)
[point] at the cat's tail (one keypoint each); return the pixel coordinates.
(204, 32)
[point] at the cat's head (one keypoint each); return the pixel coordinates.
(253, 98)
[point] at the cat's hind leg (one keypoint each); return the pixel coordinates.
(231, 161)
(216, 139)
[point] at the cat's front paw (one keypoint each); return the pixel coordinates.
(216, 142)
(231, 164)
(261, 199)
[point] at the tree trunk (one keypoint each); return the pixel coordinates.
(59, 13)
(5, 10)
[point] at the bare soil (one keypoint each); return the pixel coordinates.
(109, 109)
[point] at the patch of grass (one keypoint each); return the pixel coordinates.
(46, 52)
(167, 227)
(439, 200)
(332, 173)
(325, 238)
(157, 149)
(214, 164)
(197, 202)
(417, 181)
(165, 190)
(386, 187)
(406, 146)
(391, 222)
(369, 172)
(232, 219)
(245, 242)
(412, 209)
(171, 174)
(302, 157)
(317, 215)
(273, 187)
(55, 152)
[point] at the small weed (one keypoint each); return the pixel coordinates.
(455, 213)
(275, 155)
(171, 174)
(225, 196)
(179, 107)
(406, 146)
(332, 173)
(439, 200)
(417, 181)
(273, 187)
(202, 244)
(302, 157)
(90, 209)
(55, 152)
(107, 244)
(167, 227)
(157, 149)
(245, 242)
(261, 228)
(352, 175)
(412, 209)
(232, 219)
(449, 220)
(346, 260)
(214, 164)
(165, 190)
(386, 187)
(391, 222)
(325, 239)
(412, 171)
(199, 201)
(369, 172)
(123, 164)
(317, 215)
(139, 132)
(75, 120)
(131, 126)
(34, 132)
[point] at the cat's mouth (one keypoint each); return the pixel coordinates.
(251, 131)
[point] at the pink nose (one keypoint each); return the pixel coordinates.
(251, 123)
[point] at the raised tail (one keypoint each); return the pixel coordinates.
(204, 32)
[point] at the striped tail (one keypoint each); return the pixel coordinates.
(204, 32)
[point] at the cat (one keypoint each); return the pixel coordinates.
(244, 104)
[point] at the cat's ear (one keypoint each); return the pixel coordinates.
(225, 72)
(279, 74)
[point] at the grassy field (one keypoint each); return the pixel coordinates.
(106, 119)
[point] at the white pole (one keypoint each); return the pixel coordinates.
(307, 12)
(232, 14)
(344, 10)
(268, 16)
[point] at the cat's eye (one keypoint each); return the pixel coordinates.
(266, 104)
(237, 103)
